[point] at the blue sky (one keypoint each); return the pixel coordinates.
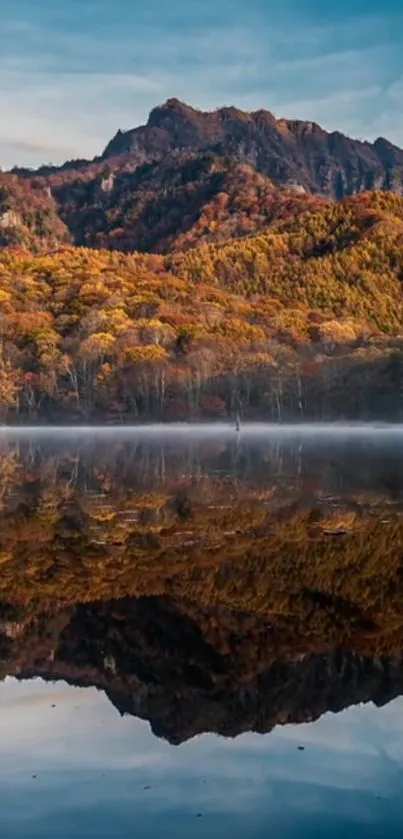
(71, 73)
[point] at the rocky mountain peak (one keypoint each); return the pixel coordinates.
(171, 109)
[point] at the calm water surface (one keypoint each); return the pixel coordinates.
(201, 633)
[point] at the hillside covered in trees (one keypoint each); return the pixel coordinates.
(302, 321)
(175, 203)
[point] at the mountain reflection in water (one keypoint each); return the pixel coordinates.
(205, 583)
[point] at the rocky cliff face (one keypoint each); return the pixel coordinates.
(289, 152)
(189, 669)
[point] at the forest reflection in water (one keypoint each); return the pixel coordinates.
(206, 581)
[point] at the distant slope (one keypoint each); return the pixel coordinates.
(174, 204)
(344, 259)
(28, 214)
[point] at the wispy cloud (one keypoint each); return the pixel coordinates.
(68, 81)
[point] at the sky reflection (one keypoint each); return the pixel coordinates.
(79, 770)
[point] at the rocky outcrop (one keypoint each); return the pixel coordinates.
(289, 152)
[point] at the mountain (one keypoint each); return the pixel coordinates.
(289, 152)
(189, 177)
(236, 282)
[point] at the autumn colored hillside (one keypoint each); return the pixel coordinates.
(344, 261)
(29, 215)
(164, 205)
(302, 321)
(175, 204)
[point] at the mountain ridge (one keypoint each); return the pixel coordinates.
(156, 187)
(283, 149)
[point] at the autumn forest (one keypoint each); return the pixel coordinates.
(192, 279)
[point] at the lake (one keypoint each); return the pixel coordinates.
(201, 632)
